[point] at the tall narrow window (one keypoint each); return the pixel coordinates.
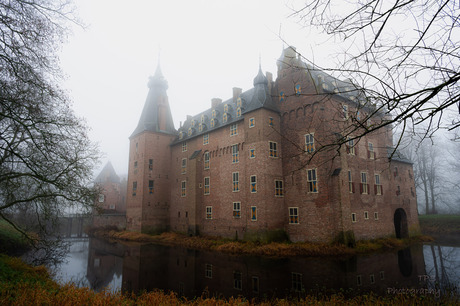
(238, 112)
(203, 118)
(150, 164)
(183, 189)
(213, 122)
(350, 146)
(208, 271)
(353, 217)
(271, 122)
(252, 153)
(273, 150)
(236, 186)
(279, 192)
(184, 166)
(239, 103)
(207, 187)
(150, 186)
(205, 139)
(184, 146)
(213, 113)
(236, 209)
(370, 152)
(364, 185)
(233, 129)
(293, 215)
(235, 154)
(207, 160)
(378, 186)
(253, 183)
(252, 122)
(134, 188)
(309, 142)
(208, 212)
(351, 186)
(224, 117)
(312, 180)
(237, 280)
(226, 108)
(344, 111)
(297, 285)
(253, 213)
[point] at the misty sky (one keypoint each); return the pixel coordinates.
(207, 48)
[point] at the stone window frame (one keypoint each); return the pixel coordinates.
(273, 149)
(353, 218)
(309, 142)
(312, 180)
(279, 188)
(183, 189)
(184, 166)
(207, 160)
(293, 215)
(234, 129)
(205, 139)
(208, 212)
(253, 183)
(237, 210)
(236, 181)
(207, 185)
(235, 153)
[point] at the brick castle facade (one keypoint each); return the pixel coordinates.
(267, 161)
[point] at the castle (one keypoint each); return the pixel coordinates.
(281, 157)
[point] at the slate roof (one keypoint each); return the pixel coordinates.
(107, 175)
(149, 120)
(252, 99)
(395, 155)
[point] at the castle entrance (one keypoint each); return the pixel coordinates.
(400, 221)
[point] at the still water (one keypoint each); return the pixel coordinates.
(99, 264)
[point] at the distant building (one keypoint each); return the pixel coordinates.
(254, 165)
(111, 202)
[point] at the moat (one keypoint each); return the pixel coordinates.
(98, 264)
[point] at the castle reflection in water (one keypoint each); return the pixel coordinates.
(191, 273)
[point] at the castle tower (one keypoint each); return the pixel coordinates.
(149, 161)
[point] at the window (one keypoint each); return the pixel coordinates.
(252, 122)
(224, 117)
(190, 131)
(134, 188)
(208, 271)
(213, 113)
(236, 186)
(282, 96)
(351, 186)
(395, 172)
(213, 122)
(207, 160)
(344, 111)
(296, 282)
(184, 166)
(273, 151)
(181, 135)
(398, 191)
(137, 147)
(364, 186)
(205, 139)
(135, 165)
(101, 198)
(236, 209)
(193, 123)
(233, 129)
(226, 108)
(150, 186)
(293, 215)
(239, 103)
(252, 153)
(312, 180)
(366, 215)
(235, 154)
(238, 112)
(255, 284)
(270, 121)
(279, 192)
(253, 183)
(184, 146)
(376, 216)
(150, 164)
(203, 118)
(358, 280)
(237, 280)
(370, 152)
(350, 146)
(353, 217)
(298, 90)
(207, 185)
(377, 186)
(208, 212)
(253, 213)
(201, 127)
(309, 143)
(183, 189)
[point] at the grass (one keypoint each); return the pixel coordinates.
(21, 284)
(273, 249)
(440, 224)
(10, 239)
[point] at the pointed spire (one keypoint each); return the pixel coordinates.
(158, 79)
(260, 78)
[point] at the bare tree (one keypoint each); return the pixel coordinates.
(403, 54)
(46, 157)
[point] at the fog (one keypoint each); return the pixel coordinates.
(205, 48)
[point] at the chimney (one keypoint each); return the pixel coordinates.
(189, 118)
(215, 102)
(236, 93)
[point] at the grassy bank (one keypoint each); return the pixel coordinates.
(21, 284)
(11, 241)
(440, 224)
(278, 249)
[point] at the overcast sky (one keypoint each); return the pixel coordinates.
(206, 48)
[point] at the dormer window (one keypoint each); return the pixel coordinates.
(181, 135)
(214, 113)
(193, 123)
(203, 118)
(238, 112)
(213, 122)
(226, 108)
(202, 127)
(190, 131)
(224, 118)
(239, 103)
